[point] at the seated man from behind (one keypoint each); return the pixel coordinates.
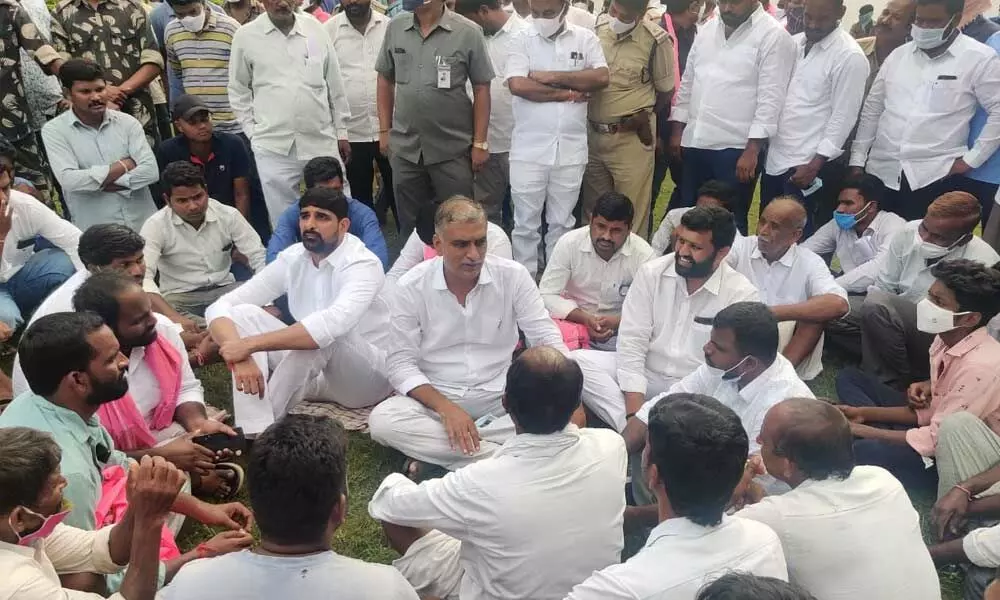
(298, 492)
(34, 544)
(695, 454)
(531, 521)
(190, 241)
(894, 350)
(666, 318)
(744, 586)
(590, 272)
(325, 172)
(454, 324)
(793, 281)
(840, 522)
(711, 193)
(335, 350)
(899, 431)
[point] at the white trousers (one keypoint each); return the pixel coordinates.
(350, 371)
(280, 176)
(534, 187)
(415, 430)
(812, 365)
(601, 393)
(433, 566)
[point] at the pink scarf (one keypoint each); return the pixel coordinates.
(111, 507)
(668, 24)
(121, 418)
(429, 252)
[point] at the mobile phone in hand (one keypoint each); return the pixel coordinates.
(216, 442)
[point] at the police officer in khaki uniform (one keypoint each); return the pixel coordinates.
(622, 125)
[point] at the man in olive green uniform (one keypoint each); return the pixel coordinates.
(622, 126)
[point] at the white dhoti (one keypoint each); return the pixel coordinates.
(536, 188)
(415, 430)
(601, 392)
(280, 176)
(350, 372)
(432, 566)
(812, 365)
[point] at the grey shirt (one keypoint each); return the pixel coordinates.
(433, 113)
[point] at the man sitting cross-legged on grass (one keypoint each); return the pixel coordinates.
(73, 363)
(165, 404)
(453, 328)
(535, 518)
(298, 491)
(334, 349)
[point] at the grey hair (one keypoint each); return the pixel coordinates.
(802, 217)
(458, 209)
(28, 458)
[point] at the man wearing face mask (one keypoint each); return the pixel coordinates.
(913, 133)
(893, 349)
(621, 140)
(819, 113)
(899, 431)
(729, 100)
(34, 544)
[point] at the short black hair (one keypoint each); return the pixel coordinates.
(425, 223)
(79, 69)
(754, 327)
(867, 8)
(184, 2)
(28, 458)
(954, 7)
(870, 187)
(543, 390)
(747, 586)
(975, 285)
(101, 244)
(54, 346)
(726, 193)
(182, 173)
(817, 438)
(99, 295)
(614, 207)
(326, 199)
(7, 150)
(700, 449)
(676, 7)
(320, 169)
(717, 220)
(469, 7)
(297, 472)
(639, 5)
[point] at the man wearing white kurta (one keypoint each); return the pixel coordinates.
(286, 90)
(793, 281)
(533, 520)
(454, 325)
(552, 67)
(335, 349)
(666, 318)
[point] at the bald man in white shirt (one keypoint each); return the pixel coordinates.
(453, 327)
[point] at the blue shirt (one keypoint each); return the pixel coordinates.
(989, 172)
(364, 225)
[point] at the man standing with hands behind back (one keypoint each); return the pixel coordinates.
(437, 137)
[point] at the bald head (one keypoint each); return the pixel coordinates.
(811, 436)
(787, 210)
(780, 226)
(543, 390)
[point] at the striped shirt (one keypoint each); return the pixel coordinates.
(201, 62)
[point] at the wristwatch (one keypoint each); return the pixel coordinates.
(481, 146)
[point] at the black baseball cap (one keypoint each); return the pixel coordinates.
(186, 106)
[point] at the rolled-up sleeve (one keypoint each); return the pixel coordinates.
(363, 281)
(73, 550)
(775, 72)
(149, 49)
(441, 504)
(558, 272)
(982, 547)
(529, 310)
(262, 289)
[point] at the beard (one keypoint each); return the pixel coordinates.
(697, 270)
(314, 242)
(356, 11)
(107, 391)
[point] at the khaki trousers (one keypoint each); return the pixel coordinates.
(620, 162)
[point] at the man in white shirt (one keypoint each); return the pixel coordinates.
(840, 522)
(190, 243)
(298, 475)
(591, 271)
(820, 110)
(533, 520)
(552, 67)
(914, 128)
(793, 281)
(731, 94)
(286, 90)
(713, 193)
(501, 29)
(695, 454)
(859, 232)
(334, 351)
(666, 318)
(893, 349)
(357, 33)
(454, 323)
(35, 547)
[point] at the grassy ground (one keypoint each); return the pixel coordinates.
(369, 463)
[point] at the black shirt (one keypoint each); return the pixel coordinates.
(228, 161)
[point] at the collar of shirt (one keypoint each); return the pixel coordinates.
(439, 283)
(211, 216)
(410, 21)
(548, 445)
(778, 371)
(823, 44)
(787, 259)
(109, 116)
(679, 527)
(966, 345)
(626, 250)
(377, 19)
(25, 551)
(713, 285)
(270, 27)
(82, 431)
(744, 28)
(509, 25)
(210, 20)
(950, 50)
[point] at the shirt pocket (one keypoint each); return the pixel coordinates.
(455, 64)
(402, 66)
(315, 72)
(700, 334)
(942, 95)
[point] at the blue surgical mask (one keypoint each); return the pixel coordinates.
(847, 221)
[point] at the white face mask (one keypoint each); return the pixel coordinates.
(933, 319)
(620, 27)
(727, 374)
(930, 251)
(779, 13)
(928, 39)
(194, 23)
(509, 8)
(548, 27)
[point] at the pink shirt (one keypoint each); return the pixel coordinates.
(965, 377)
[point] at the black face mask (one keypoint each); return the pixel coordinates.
(815, 35)
(356, 11)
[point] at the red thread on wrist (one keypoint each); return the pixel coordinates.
(202, 551)
(967, 491)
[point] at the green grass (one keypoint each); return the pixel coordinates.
(361, 537)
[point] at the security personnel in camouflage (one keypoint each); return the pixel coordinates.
(622, 124)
